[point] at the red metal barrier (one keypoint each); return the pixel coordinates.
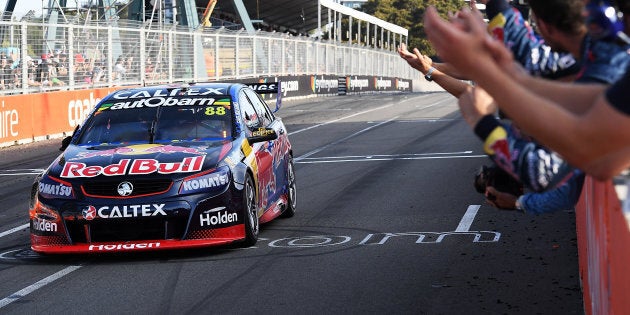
(604, 249)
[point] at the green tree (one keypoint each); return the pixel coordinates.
(409, 14)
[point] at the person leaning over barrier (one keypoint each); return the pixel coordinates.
(507, 25)
(572, 37)
(588, 125)
(603, 56)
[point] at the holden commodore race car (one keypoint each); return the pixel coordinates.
(164, 167)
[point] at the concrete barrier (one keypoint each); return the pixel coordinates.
(422, 85)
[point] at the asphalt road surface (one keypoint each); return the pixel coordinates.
(387, 222)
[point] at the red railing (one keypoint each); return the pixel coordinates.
(603, 232)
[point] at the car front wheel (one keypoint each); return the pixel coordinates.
(291, 191)
(250, 213)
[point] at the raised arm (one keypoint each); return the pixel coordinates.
(597, 141)
(574, 97)
(424, 63)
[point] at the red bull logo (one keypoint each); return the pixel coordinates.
(141, 149)
(282, 147)
(133, 167)
(502, 155)
(266, 174)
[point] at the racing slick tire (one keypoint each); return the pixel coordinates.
(250, 213)
(289, 210)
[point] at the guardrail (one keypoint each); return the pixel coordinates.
(46, 57)
(603, 230)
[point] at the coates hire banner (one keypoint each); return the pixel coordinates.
(29, 117)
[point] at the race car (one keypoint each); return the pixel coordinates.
(166, 167)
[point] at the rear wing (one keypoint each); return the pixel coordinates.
(269, 88)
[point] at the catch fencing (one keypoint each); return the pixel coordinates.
(43, 57)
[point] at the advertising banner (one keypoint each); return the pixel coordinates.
(29, 116)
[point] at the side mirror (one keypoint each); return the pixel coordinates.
(66, 141)
(278, 97)
(261, 135)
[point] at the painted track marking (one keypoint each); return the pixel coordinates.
(28, 290)
(363, 112)
(15, 229)
(299, 158)
(338, 119)
(469, 217)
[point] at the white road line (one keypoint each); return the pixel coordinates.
(435, 104)
(21, 172)
(467, 220)
(385, 155)
(28, 290)
(364, 112)
(315, 161)
(320, 110)
(15, 229)
(339, 119)
(430, 120)
(341, 140)
(18, 174)
(24, 169)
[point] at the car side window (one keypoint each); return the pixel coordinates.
(265, 114)
(249, 114)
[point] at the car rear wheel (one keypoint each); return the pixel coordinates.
(292, 191)
(250, 212)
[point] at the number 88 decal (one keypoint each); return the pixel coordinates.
(218, 110)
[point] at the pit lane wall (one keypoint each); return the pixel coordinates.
(33, 117)
(603, 231)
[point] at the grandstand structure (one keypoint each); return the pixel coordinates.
(113, 42)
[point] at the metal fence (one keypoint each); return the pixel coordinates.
(40, 57)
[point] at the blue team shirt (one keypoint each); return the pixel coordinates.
(507, 25)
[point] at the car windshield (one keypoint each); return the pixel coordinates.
(158, 124)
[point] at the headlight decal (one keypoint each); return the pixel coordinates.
(44, 220)
(51, 187)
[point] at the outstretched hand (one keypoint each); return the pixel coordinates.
(416, 60)
(474, 104)
(474, 9)
(500, 199)
(464, 42)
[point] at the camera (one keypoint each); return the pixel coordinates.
(499, 179)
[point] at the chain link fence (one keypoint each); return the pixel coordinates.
(41, 57)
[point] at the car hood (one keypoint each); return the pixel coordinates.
(82, 162)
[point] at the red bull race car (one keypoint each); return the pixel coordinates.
(165, 167)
